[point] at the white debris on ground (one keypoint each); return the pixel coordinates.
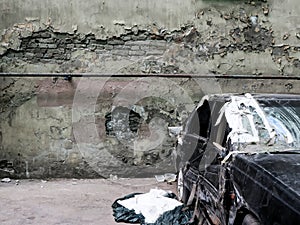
(151, 205)
(6, 180)
(168, 177)
(113, 177)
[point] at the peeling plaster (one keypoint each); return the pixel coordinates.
(141, 37)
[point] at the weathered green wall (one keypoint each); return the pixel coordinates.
(132, 36)
(53, 127)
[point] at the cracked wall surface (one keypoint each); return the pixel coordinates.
(44, 133)
(142, 37)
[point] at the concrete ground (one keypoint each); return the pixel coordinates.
(66, 201)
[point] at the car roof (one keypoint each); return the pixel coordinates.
(259, 96)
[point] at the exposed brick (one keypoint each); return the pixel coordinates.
(154, 52)
(70, 46)
(100, 47)
(80, 46)
(67, 41)
(76, 41)
(39, 55)
(140, 43)
(109, 47)
(126, 38)
(100, 51)
(46, 40)
(48, 55)
(120, 52)
(42, 34)
(57, 51)
(121, 47)
(39, 50)
(93, 47)
(57, 46)
(115, 42)
(158, 43)
(29, 55)
(145, 47)
(42, 45)
(134, 38)
(136, 53)
(135, 48)
(157, 48)
(32, 45)
(142, 37)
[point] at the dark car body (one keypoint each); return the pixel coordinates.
(239, 155)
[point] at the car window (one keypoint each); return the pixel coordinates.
(284, 117)
(273, 123)
(196, 133)
(218, 136)
(199, 121)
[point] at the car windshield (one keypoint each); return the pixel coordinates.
(284, 117)
(265, 121)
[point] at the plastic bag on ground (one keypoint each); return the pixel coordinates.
(122, 214)
(178, 215)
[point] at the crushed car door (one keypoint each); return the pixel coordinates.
(195, 138)
(211, 186)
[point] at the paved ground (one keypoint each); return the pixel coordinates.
(67, 201)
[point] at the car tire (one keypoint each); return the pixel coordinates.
(250, 220)
(183, 192)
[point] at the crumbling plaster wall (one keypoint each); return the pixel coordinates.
(208, 36)
(45, 126)
(58, 127)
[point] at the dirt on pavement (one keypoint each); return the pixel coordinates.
(67, 201)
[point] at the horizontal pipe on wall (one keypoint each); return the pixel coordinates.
(150, 75)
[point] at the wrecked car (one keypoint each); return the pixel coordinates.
(238, 159)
